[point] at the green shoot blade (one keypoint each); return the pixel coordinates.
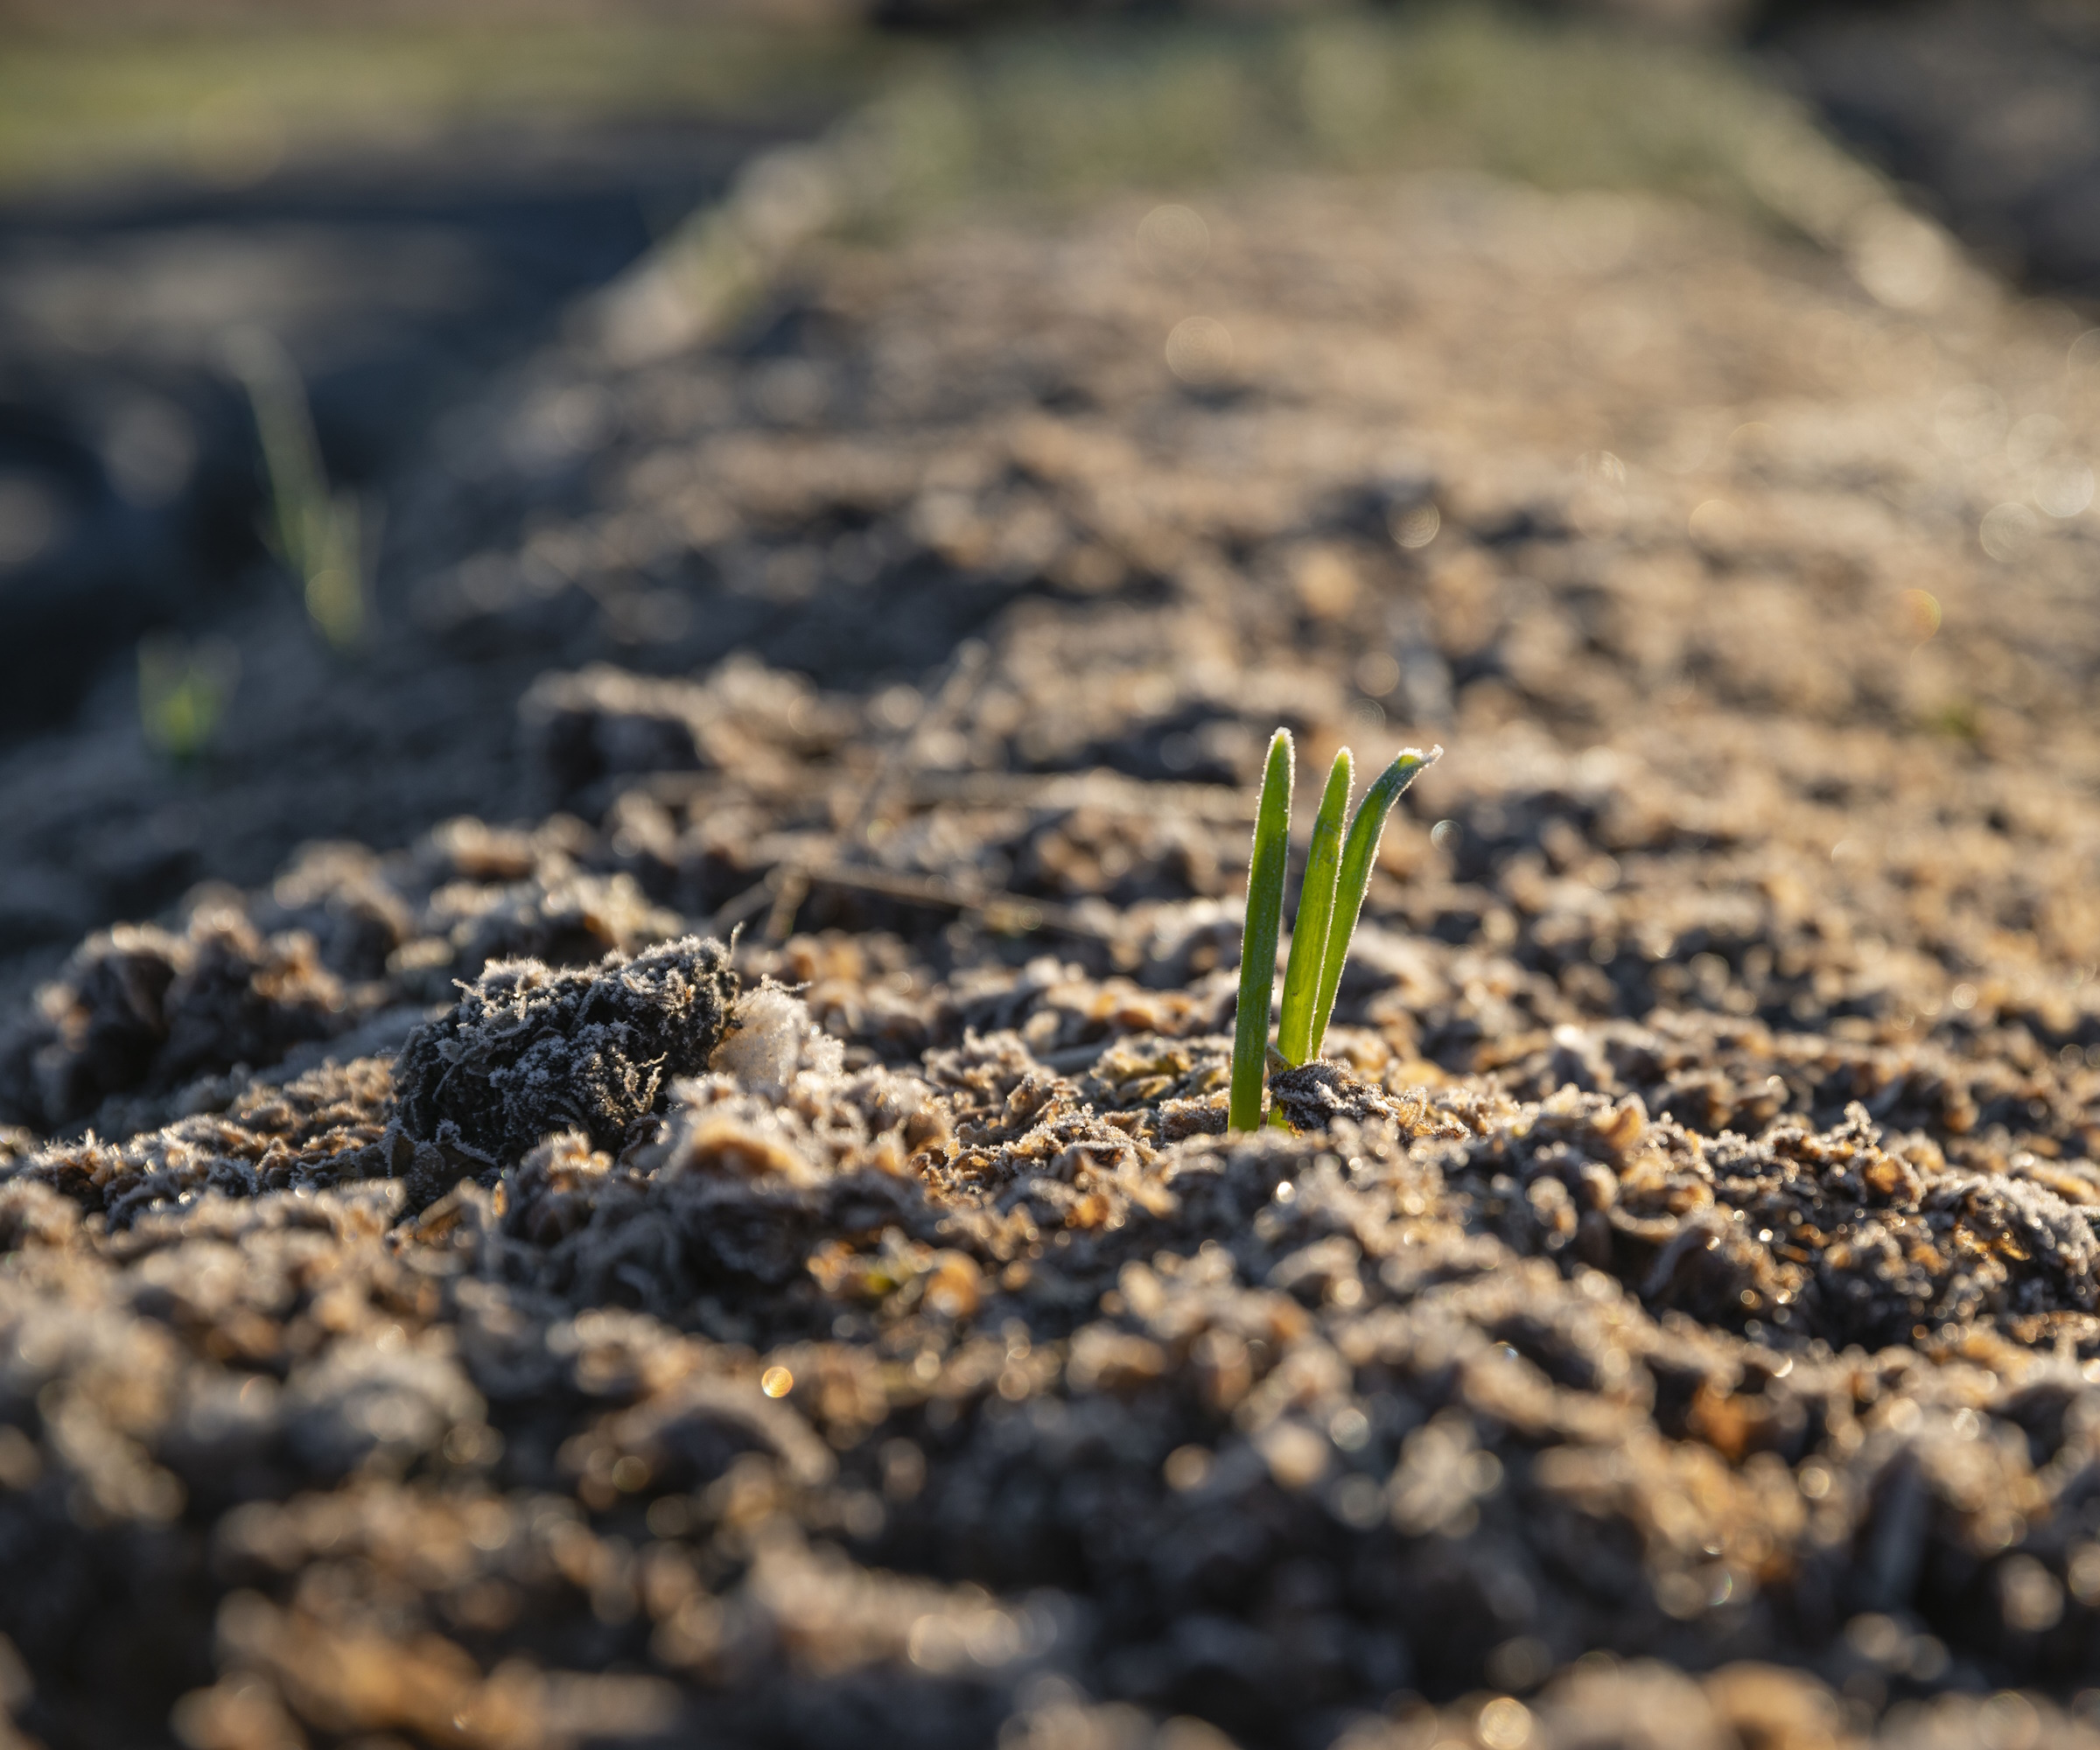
(1357, 856)
(1257, 943)
(1315, 906)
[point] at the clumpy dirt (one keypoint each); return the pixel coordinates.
(1672, 1317)
(528, 1050)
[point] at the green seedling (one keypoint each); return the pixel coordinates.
(183, 690)
(1257, 940)
(1295, 1033)
(319, 535)
(1338, 874)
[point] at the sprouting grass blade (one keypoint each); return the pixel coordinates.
(1257, 943)
(1315, 906)
(1359, 851)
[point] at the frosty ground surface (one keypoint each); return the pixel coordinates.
(1669, 1324)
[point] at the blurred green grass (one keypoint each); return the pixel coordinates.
(1037, 112)
(227, 101)
(1559, 104)
(1033, 120)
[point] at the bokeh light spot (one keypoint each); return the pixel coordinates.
(2008, 531)
(1416, 527)
(1174, 239)
(2064, 488)
(1199, 351)
(1920, 614)
(1715, 523)
(2033, 440)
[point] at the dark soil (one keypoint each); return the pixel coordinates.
(396, 278)
(1674, 1316)
(1990, 112)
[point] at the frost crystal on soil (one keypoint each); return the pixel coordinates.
(528, 1050)
(772, 1039)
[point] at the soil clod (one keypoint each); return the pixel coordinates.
(528, 1050)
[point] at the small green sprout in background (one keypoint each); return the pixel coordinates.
(319, 535)
(183, 689)
(1338, 874)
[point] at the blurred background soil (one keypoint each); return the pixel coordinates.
(409, 200)
(541, 480)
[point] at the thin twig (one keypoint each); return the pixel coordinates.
(1106, 791)
(789, 893)
(747, 904)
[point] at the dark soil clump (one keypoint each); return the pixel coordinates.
(528, 1050)
(145, 1009)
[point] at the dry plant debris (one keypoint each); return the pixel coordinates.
(1674, 1315)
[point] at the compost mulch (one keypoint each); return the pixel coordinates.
(1670, 1316)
